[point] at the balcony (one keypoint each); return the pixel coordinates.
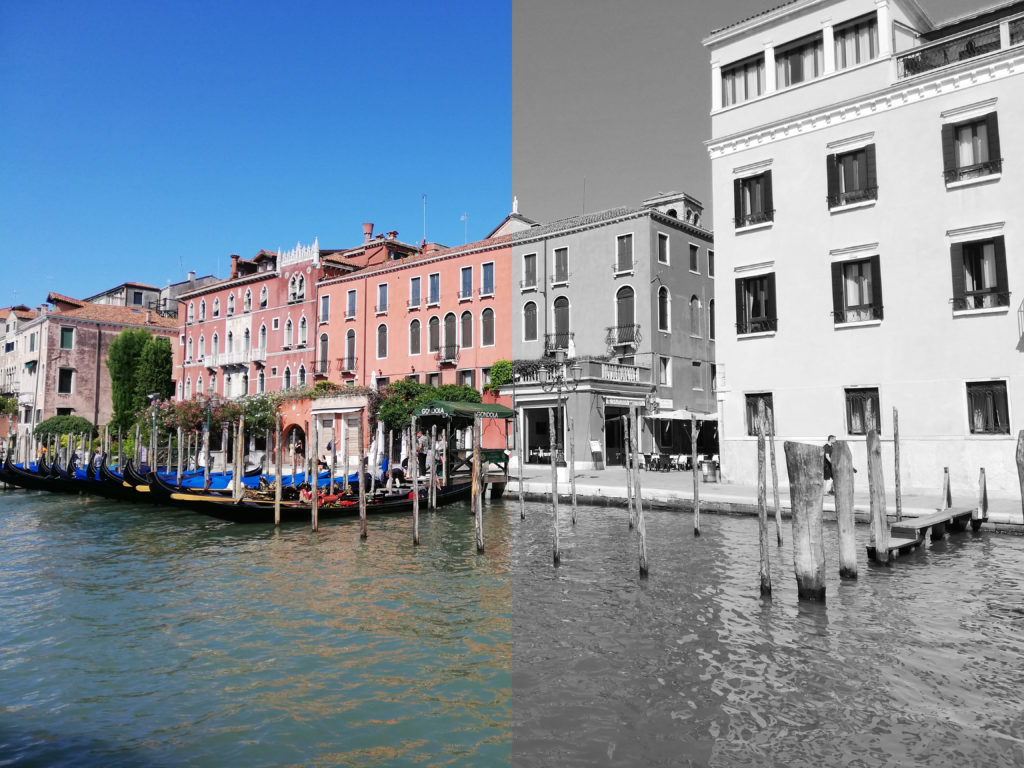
(413, 303)
(981, 300)
(381, 309)
(554, 342)
(758, 325)
(964, 47)
(559, 279)
(976, 171)
(529, 284)
(755, 218)
(858, 315)
(347, 365)
(853, 196)
(466, 295)
(448, 354)
(599, 370)
(258, 354)
(623, 335)
(239, 357)
(321, 368)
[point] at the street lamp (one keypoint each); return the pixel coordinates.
(152, 435)
(554, 377)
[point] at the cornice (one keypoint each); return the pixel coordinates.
(904, 93)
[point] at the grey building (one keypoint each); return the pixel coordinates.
(626, 298)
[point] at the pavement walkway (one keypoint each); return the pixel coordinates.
(674, 490)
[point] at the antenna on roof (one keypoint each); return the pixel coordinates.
(465, 228)
(424, 217)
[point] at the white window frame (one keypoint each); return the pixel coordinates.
(632, 253)
(382, 299)
(483, 272)
(351, 304)
(434, 301)
(523, 286)
(463, 295)
(662, 237)
(325, 308)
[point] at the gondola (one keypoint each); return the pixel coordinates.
(248, 510)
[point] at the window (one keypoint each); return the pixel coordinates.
(529, 271)
(382, 381)
(214, 345)
(325, 308)
(323, 355)
(450, 342)
(202, 311)
(662, 248)
(487, 328)
(67, 338)
(711, 263)
(302, 375)
(979, 274)
(188, 350)
(987, 408)
(261, 382)
(32, 342)
(466, 322)
(287, 378)
(65, 411)
(487, 279)
(862, 412)
(289, 336)
(433, 334)
(530, 321)
(561, 337)
(414, 291)
(349, 363)
(264, 297)
(561, 275)
(263, 337)
(350, 304)
(247, 301)
(382, 341)
(752, 200)
(752, 400)
(296, 288)
(434, 288)
(302, 332)
(188, 387)
(711, 319)
(665, 371)
(625, 314)
(694, 258)
(137, 298)
(743, 81)
(433, 379)
(664, 320)
(190, 316)
(856, 291)
(202, 347)
(695, 316)
(466, 378)
(216, 307)
(851, 176)
(414, 337)
(755, 304)
(231, 342)
(382, 298)
(465, 283)
(65, 380)
(624, 253)
(856, 41)
(231, 304)
(799, 61)
(276, 323)
(971, 149)
(698, 374)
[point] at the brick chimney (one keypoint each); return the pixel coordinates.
(234, 265)
(149, 317)
(367, 232)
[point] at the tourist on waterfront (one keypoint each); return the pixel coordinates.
(830, 484)
(421, 452)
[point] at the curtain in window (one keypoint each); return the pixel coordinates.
(414, 337)
(530, 322)
(467, 330)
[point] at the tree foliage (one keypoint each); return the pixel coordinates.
(153, 373)
(123, 362)
(401, 398)
(8, 405)
(65, 425)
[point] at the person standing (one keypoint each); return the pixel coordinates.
(421, 453)
(829, 483)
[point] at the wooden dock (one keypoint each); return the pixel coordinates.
(908, 534)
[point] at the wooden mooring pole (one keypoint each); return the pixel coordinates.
(896, 461)
(334, 457)
(478, 493)
(879, 538)
(842, 484)
(361, 472)
(555, 550)
(1020, 466)
(519, 454)
(444, 457)
(572, 467)
(947, 492)
(181, 457)
(414, 474)
(775, 474)
(432, 452)
(641, 527)
(806, 493)
(762, 504)
(696, 475)
(981, 513)
(278, 468)
(344, 455)
(628, 440)
(391, 462)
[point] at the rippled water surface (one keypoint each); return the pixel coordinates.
(144, 637)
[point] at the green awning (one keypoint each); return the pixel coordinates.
(451, 409)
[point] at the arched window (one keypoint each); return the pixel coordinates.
(261, 383)
(216, 307)
(530, 321)
(202, 310)
(303, 328)
(202, 347)
(263, 297)
(467, 330)
(624, 318)
(188, 349)
(246, 342)
(247, 301)
(297, 288)
(711, 319)
(287, 378)
(323, 355)
(694, 316)
(449, 335)
(231, 342)
(561, 308)
(213, 383)
(664, 321)
(231, 303)
(199, 385)
(215, 345)
(263, 337)
(191, 314)
(350, 352)
(245, 383)
(433, 334)
(188, 387)
(288, 333)
(487, 328)
(414, 337)
(302, 375)
(382, 341)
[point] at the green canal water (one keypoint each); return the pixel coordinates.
(136, 636)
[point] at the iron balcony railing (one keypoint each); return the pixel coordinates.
(321, 367)
(413, 303)
(853, 196)
(347, 364)
(380, 309)
(559, 278)
(975, 171)
(448, 353)
(976, 43)
(557, 341)
(529, 283)
(465, 295)
(981, 300)
(757, 325)
(619, 335)
(756, 217)
(858, 314)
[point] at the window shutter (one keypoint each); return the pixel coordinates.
(948, 149)
(740, 307)
(956, 260)
(992, 124)
(737, 199)
(769, 205)
(1002, 285)
(869, 161)
(832, 174)
(838, 308)
(773, 315)
(876, 286)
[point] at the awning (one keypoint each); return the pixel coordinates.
(681, 414)
(450, 409)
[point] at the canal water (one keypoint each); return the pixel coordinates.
(136, 636)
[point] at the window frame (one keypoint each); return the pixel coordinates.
(377, 341)
(840, 194)
(325, 308)
(464, 293)
(764, 215)
(68, 330)
(382, 299)
(870, 313)
(70, 383)
(869, 20)
(487, 312)
(786, 55)
(351, 304)
(618, 269)
(664, 254)
(418, 337)
(524, 283)
(729, 96)
(852, 396)
(767, 324)
(485, 268)
(750, 405)
(558, 279)
(417, 302)
(432, 299)
(536, 325)
(1001, 409)
(991, 299)
(957, 175)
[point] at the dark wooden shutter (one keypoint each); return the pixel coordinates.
(832, 174)
(871, 166)
(769, 205)
(740, 307)
(948, 149)
(838, 308)
(770, 309)
(956, 263)
(993, 137)
(876, 286)
(737, 199)
(1002, 284)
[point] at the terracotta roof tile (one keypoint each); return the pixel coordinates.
(106, 313)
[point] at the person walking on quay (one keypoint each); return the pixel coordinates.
(828, 465)
(421, 453)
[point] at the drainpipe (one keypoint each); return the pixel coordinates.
(99, 360)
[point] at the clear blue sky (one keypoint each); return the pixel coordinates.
(139, 140)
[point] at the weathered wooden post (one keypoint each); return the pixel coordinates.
(696, 477)
(344, 456)
(240, 458)
(207, 439)
(295, 458)
(137, 447)
(310, 463)
(432, 493)
(181, 457)
(775, 474)
(641, 526)
(334, 455)
(762, 503)
(478, 483)
(391, 459)
(278, 468)
(879, 538)
(1020, 466)
(947, 493)
(519, 453)
(415, 484)
(106, 444)
(362, 481)
(896, 461)
(628, 462)
(572, 468)
(806, 493)
(556, 552)
(120, 466)
(981, 513)
(314, 504)
(224, 445)
(170, 448)
(444, 457)
(842, 484)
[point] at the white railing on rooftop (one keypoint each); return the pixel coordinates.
(969, 45)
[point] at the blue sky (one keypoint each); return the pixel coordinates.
(141, 139)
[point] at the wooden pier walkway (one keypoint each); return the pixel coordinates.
(908, 534)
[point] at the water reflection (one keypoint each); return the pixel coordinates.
(145, 637)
